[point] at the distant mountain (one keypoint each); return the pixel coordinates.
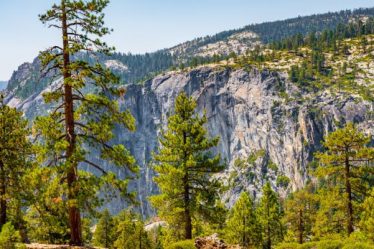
(3, 85)
(268, 32)
(134, 68)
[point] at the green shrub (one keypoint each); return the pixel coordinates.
(308, 245)
(9, 237)
(288, 246)
(330, 244)
(358, 245)
(21, 246)
(184, 244)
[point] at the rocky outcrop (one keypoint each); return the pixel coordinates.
(210, 242)
(263, 134)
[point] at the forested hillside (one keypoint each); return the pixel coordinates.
(274, 31)
(135, 68)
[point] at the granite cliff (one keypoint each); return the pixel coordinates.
(263, 136)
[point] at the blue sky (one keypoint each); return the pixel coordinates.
(147, 25)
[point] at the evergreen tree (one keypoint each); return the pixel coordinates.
(184, 168)
(15, 155)
(130, 233)
(242, 225)
(270, 217)
(347, 161)
(47, 213)
(331, 214)
(300, 211)
(104, 232)
(82, 121)
(9, 237)
(367, 215)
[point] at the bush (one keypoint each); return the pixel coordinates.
(308, 245)
(21, 246)
(184, 244)
(330, 244)
(9, 237)
(288, 246)
(358, 245)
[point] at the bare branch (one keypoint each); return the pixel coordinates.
(96, 166)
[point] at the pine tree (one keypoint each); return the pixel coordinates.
(270, 217)
(300, 211)
(367, 215)
(184, 166)
(242, 225)
(104, 232)
(331, 214)
(82, 121)
(130, 233)
(15, 153)
(9, 237)
(347, 160)
(46, 216)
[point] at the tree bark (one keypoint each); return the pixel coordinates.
(244, 232)
(73, 188)
(3, 204)
(348, 190)
(268, 242)
(187, 211)
(301, 226)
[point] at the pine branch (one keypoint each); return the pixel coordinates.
(96, 167)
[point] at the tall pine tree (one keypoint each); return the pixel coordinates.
(300, 211)
(270, 216)
(15, 152)
(104, 233)
(242, 226)
(184, 168)
(86, 108)
(130, 232)
(347, 160)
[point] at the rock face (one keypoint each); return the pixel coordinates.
(238, 42)
(271, 134)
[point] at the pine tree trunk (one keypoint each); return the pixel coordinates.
(268, 242)
(3, 204)
(20, 224)
(244, 232)
(187, 212)
(106, 234)
(348, 191)
(74, 213)
(301, 226)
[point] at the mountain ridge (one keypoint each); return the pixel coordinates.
(136, 68)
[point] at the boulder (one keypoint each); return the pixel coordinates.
(210, 242)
